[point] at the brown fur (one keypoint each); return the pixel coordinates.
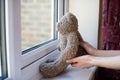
(69, 46)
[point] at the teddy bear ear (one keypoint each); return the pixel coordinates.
(71, 18)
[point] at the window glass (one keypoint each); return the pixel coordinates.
(36, 22)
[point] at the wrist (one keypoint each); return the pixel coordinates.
(93, 52)
(95, 61)
(92, 60)
(98, 61)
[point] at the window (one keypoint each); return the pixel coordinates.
(37, 22)
(3, 59)
(13, 22)
(30, 34)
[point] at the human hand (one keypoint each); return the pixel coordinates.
(85, 61)
(89, 48)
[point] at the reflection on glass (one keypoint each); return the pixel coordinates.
(36, 19)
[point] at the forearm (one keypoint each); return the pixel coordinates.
(105, 53)
(107, 62)
(95, 52)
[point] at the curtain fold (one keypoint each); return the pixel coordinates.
(110, 29)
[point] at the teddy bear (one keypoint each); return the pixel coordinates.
(69, 46)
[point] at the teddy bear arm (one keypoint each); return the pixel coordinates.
(68, 53)
(63, 43)
(71, 48)
(73, 41)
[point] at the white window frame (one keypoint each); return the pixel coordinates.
(3, 58)
(16, 61)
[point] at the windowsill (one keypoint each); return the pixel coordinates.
(75, 74)
(69, 74)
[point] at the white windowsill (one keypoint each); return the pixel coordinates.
(74, 74)
(31, 72)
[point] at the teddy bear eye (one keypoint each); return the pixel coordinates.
(61, 23)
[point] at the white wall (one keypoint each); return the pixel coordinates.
(87, 12)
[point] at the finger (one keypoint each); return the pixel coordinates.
(75, 65)
(83, 44)
(72, 61)
(78, 66)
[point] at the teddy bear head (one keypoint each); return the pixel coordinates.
(67, 24)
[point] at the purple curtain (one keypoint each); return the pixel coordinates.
(110, 30)
(111, 24)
